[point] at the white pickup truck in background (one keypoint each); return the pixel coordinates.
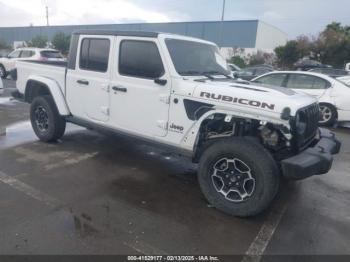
(176, 91)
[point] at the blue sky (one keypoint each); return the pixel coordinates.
(294, 17)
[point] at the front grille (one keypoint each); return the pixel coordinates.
(312, 114)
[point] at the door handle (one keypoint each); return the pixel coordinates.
(83, 82)
(120, 89)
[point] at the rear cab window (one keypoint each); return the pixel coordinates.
(94, 54)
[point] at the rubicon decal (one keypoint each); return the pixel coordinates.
(237, 100)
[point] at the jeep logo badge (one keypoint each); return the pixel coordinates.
(175, 128)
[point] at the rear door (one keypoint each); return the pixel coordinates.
(309, 84)
(140, 88)
(88, 84)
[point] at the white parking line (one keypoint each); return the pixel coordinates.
(139, 246)
(261, 241)
(30, 191)
(253, 254)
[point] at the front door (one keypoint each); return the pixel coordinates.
(140, 87)
(88, 92)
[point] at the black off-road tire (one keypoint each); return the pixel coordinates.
(263, 168)
(3, 73)
(56, 124)
(330, 121)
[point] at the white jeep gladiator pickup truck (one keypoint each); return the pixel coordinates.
(175, 90)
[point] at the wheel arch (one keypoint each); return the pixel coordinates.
(193, 138)
(37, 86)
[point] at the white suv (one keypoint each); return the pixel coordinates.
(31, 54)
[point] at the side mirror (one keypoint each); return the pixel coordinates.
(161, 82)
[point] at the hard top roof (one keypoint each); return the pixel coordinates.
(116, 33)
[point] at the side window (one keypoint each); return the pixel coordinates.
(26, 54)
(306, 82)
(320, 84)
(273, 80)
(15, 54)
(140, 59)
(94, 54)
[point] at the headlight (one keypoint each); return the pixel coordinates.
(300, 122)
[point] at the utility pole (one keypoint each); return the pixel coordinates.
(222, 23)
(223, 10)
(47, 16)
(47, 25)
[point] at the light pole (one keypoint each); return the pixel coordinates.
(223, 10)
(47, 16)
(222, 22)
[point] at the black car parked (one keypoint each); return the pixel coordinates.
(330, 72)
(251, 72)
(307, 64)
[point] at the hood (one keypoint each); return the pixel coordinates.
(251, 96)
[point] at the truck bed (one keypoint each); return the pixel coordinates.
(47, 69)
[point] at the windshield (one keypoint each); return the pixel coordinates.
(194, 58)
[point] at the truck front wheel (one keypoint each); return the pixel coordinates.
(238, 176)
(47, 123)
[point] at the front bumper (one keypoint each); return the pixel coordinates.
(316, 160)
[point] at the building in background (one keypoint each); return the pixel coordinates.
(251, 35)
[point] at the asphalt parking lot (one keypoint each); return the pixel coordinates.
(102, 194)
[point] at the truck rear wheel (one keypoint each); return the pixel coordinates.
(47, 123)
(238, 177)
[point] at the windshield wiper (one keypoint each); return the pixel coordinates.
(210, 74)
(190, 73)
(196, 73)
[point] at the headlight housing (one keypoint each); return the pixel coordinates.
(301, 122)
